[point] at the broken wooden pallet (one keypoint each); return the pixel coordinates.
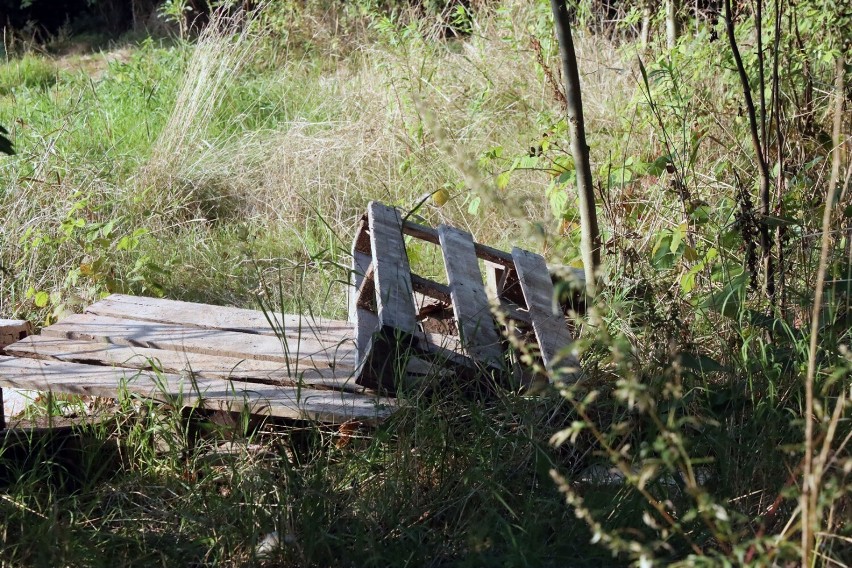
(391, 340)
(194, 354)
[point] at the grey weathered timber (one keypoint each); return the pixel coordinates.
(550, 328)
(436, 290)
(220, 317)
(366, 322)
(430, 235)
(470, 303)
(285, 402)
(12, 331)
(180, 362)
(297, 352)
(394, 293)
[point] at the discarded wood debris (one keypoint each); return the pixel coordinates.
(403, 328)
(195, 354)
(390, 305)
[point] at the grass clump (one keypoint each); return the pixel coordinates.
(27, 72)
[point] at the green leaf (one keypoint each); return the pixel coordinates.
(677, 238)
(728, 301)
(473, 207)
(41, 298)
(661, 255)
(502, 180)
(687, 282)
(701, 363)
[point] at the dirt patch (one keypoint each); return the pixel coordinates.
(92, 64)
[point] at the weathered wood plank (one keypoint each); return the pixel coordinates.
(12, 331)
(298, 352)
(550, 328)
(484, 252)
(219, 317)
(360, 270)
(285, 402)
(365, 322)
(207, 366)
(394, 294)
(476, 325)
(431, 288)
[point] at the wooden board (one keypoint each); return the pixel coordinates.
(366, 323)
(476, 325)
(394, 293)
(298, 352)
(430, 235)
(13, 330)
(220, 317)
(361, 261)
(550, 328)
(284, 402)
(206, 366)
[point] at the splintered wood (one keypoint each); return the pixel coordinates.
(390, 307)
(214, 357)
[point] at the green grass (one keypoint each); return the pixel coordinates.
(236, 167)
(28, 72)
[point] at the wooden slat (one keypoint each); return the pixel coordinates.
(365, 322)
(219, 317)
(470, 303)
(13, 330)
(360, 269)
(285, 402)
(305, 351)
(394, 294)
(361, 260)
(207, 366)
(436, 290)
(550, 328)
(484, 252)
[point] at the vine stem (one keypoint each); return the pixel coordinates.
(763, 169)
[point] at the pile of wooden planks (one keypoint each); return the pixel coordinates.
(187, 354)
(290, 366)
(390, 303)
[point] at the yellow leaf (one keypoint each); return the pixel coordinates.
(441, 197)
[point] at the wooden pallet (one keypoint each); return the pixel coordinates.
(194, 354)
(388, 307)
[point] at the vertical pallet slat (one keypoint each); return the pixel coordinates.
(386, 337)
(470, 302)
(394, 293)
(550, 328)
(361, 260)
(366, 323)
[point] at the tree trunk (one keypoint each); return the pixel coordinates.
(645, 31)
(590, 238)
(672, 23)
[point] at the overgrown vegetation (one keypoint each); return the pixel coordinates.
(713, 422)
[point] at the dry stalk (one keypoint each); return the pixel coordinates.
(812, 471)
